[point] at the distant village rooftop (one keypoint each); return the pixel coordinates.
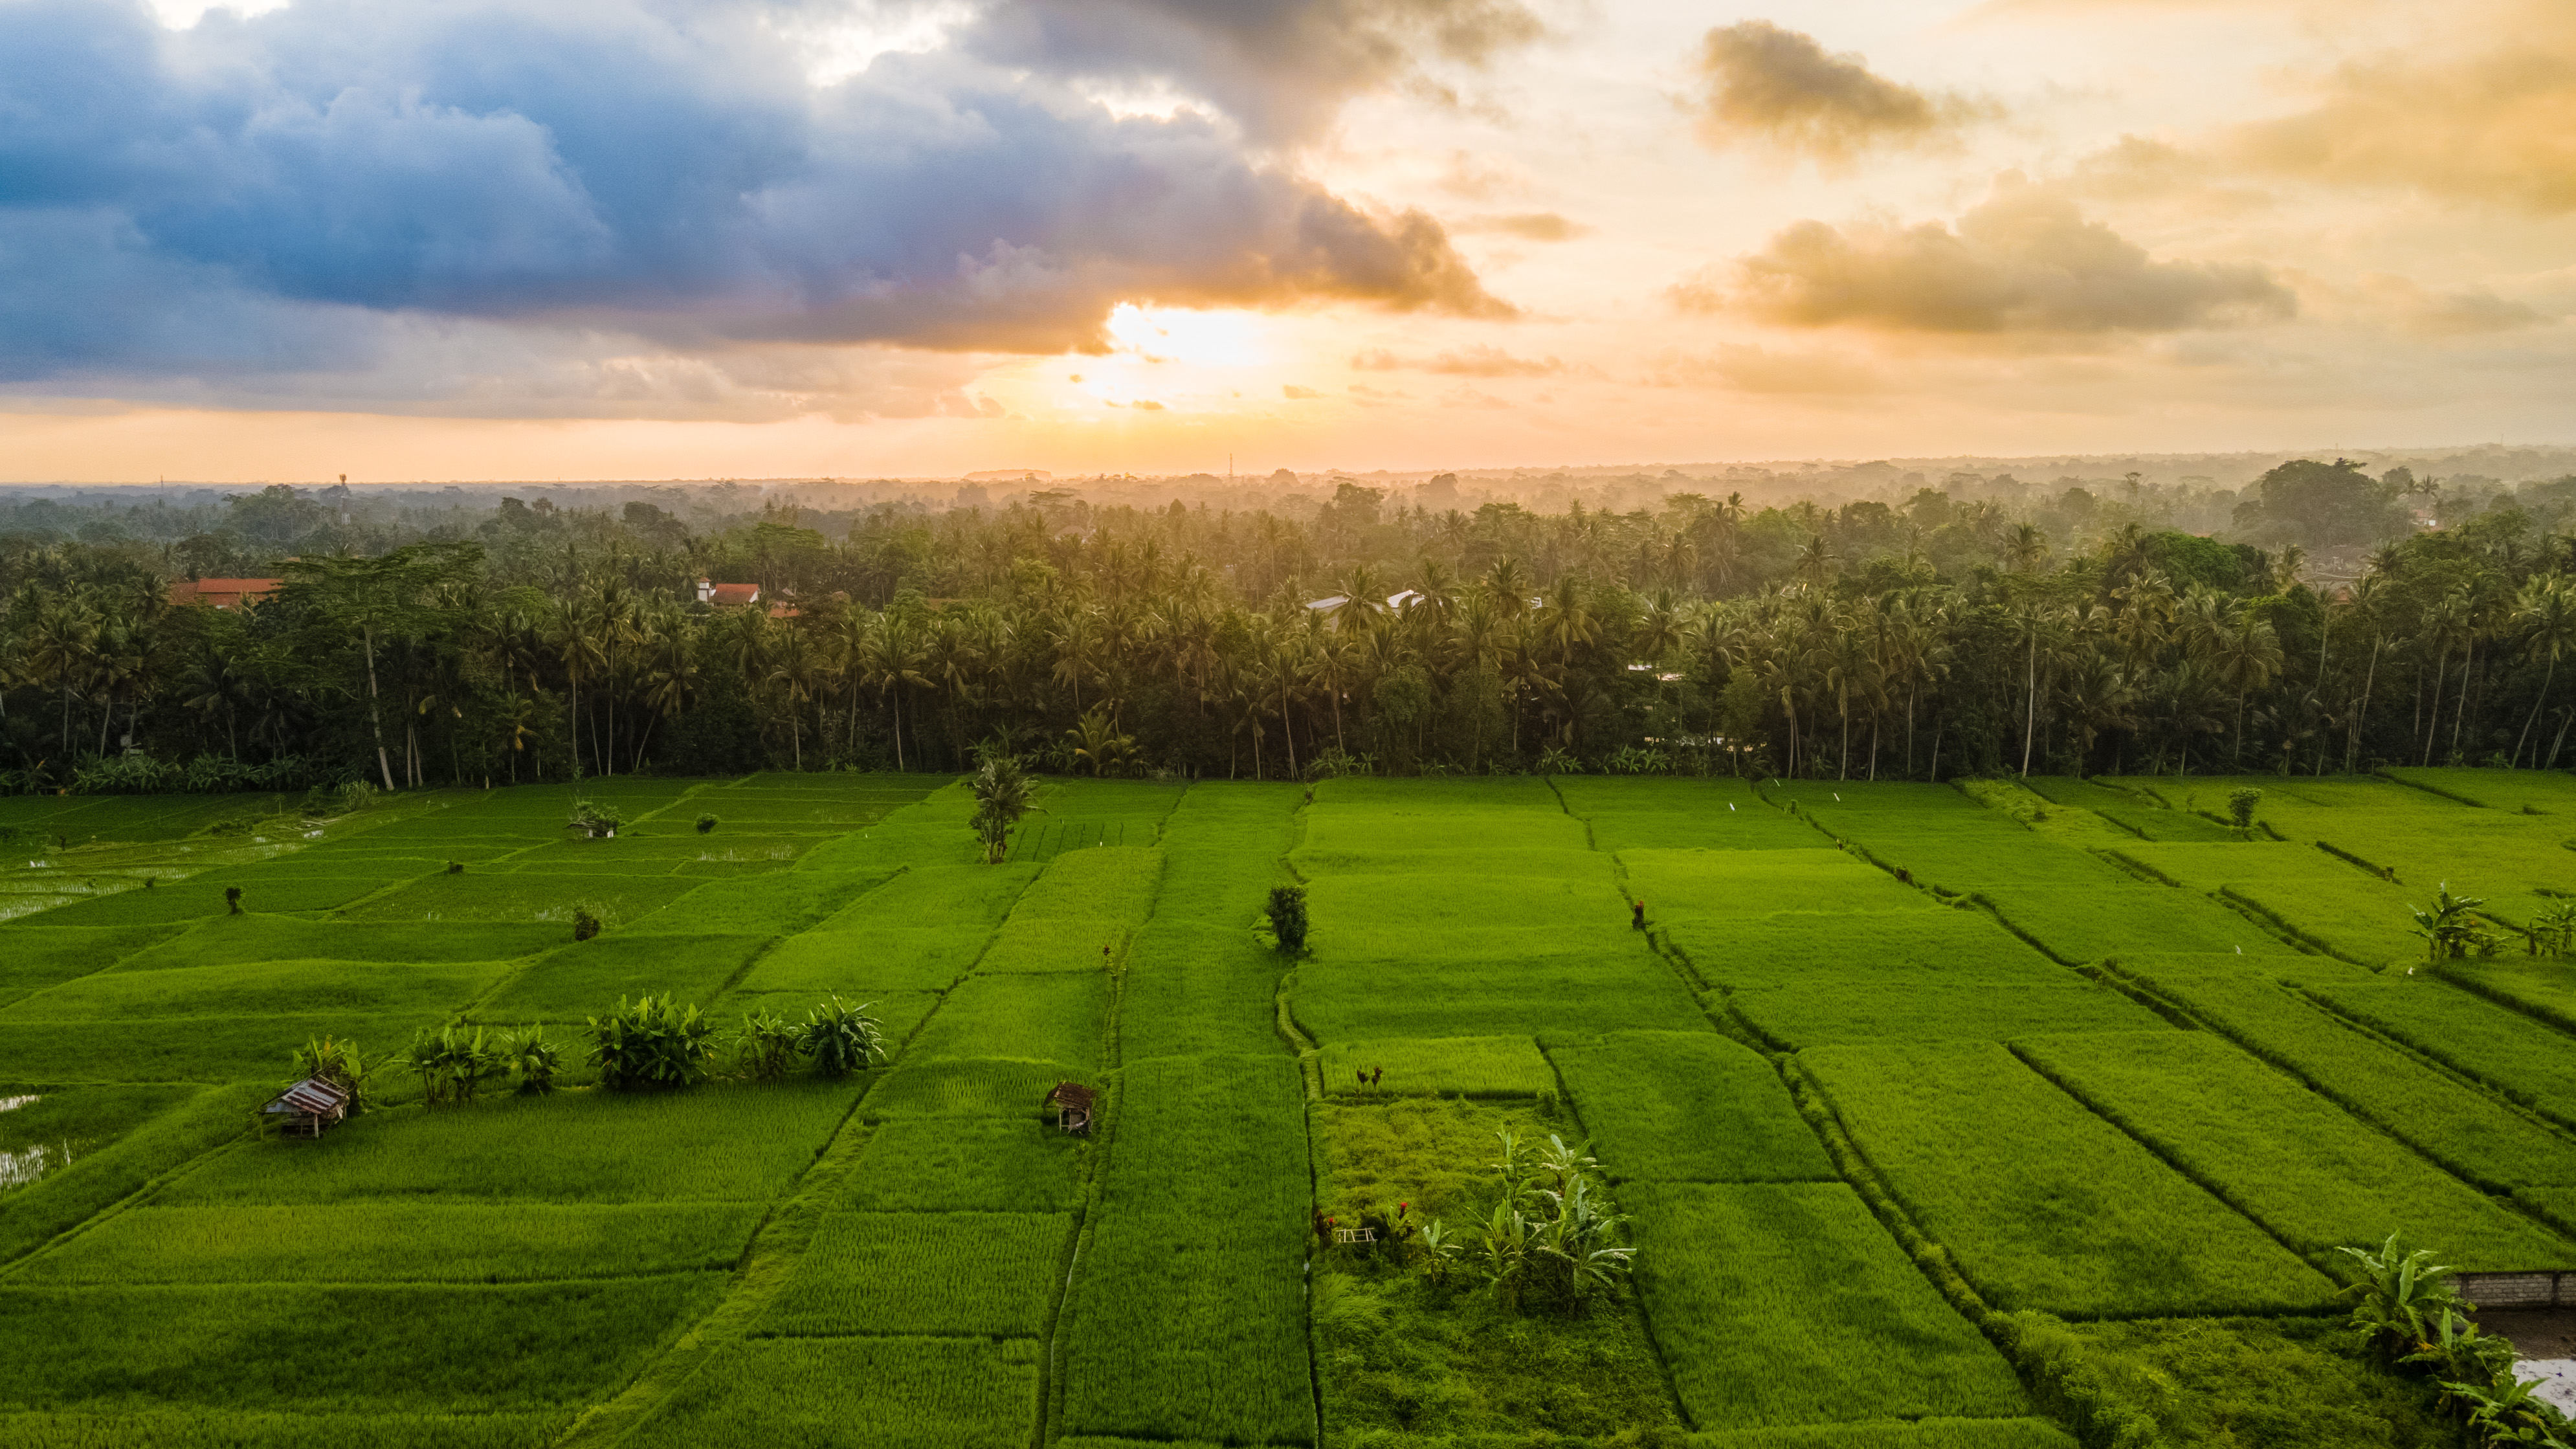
(223, 593)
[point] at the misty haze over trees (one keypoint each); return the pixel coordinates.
(2340, 616)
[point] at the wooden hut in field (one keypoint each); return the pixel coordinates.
(1072, 1103)
(304, 1109)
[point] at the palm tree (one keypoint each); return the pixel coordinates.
(2545, 615)
(893, 658)
(57, 650)
(1096, 739)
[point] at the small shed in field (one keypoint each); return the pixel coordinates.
(1072, 1103)
(307, 1107)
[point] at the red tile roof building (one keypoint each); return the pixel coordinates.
(223, 593)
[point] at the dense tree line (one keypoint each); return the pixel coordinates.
(1924, 638)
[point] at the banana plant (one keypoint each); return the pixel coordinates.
(1503, 1252)
(2401, 1295)
(2450, 929)
(2509, 1410)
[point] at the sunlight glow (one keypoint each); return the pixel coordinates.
(1173, 334)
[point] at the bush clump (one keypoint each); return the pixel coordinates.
(652, 1042)
(2240, 805)
(841, 1038)
(453, 1063)
(1287, 910)
(706, 824)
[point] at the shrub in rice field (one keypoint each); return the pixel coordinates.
(841, 1038)
(454, 1062)
(1288, 917)
(706, 823)
(654, 1042)
(533, 1060)
(584, 924)
(768, 1045)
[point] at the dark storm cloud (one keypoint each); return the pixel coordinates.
(1280, 67)
(1780, 88)
(262, 194)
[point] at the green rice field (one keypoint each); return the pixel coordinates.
(1894, 1111)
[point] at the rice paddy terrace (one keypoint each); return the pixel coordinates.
(1903, 1099)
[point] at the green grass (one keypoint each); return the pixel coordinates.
(1061, 1018)
(188, 1048)
(2079, 924)
(1178, 1331)
(931, 1165)
(1919, 1434)
(2464, 1129)
(967, 1087)
(574, 982)
(398, 1242)
(617, 900)
(2283, 1155)
(2284, 1383)
(203, 896)
(1496, 1066)
(780, 903)
(35, 957)
(889, 958)
(970, 899)
(1860, 948)
(1679, 885)
(1822, 1013)
(2042, 1204)
(120, 1140)
(419, 1348)
(1687, 1106)
(1085, 901)
(1787, 1303)
(2349, 914)
(236, 1429)
(987, 1274)
(1349, 1002)
(2522, 1058)
(364, 988)
(888, 1393)
(2541, 986)
(1193, 990)
(234, 940)
(724, 1143)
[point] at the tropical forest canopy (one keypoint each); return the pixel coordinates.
(2329, 619)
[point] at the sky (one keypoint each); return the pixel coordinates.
(462, 239)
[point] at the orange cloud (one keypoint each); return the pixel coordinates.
(1781, 89)
(2495, 125)
(2024, 262)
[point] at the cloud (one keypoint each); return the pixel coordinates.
(2429, 313)
(1780, 89)
(2023, 262)
(1537, 226)
(1282, 68)
(2494, 124)
(1294, 393)
(1479, 360)
(299, 192)
(1146, 405)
